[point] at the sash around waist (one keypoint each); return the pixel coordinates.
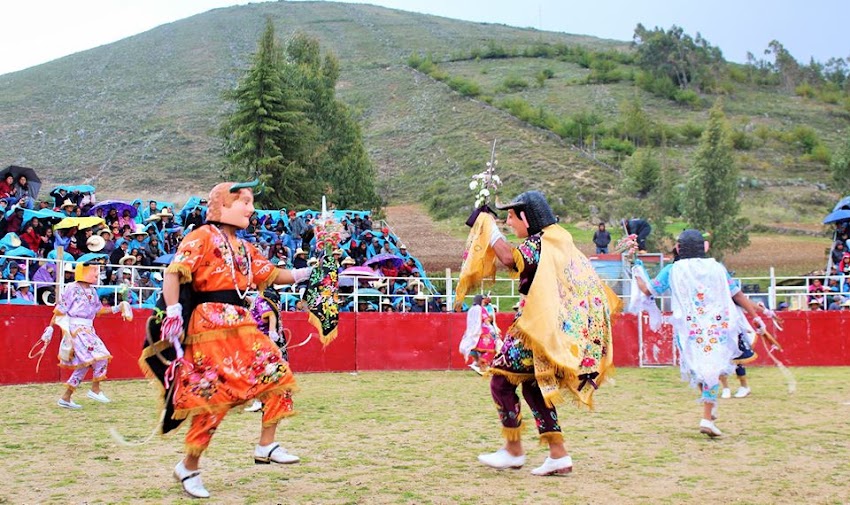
(80, 321)
(229, 297)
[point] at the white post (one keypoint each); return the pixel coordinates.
(449, 290)
(771, 292)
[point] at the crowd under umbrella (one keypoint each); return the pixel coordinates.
(33, 181)
(79, 222)
(118, 205)
(87, 257)
(377, 259)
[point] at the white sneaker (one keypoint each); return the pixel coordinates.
(70, 404)
(98, 397)
(274, 453)
(254, 407)
(726, 393)
(502, 459)
(191, 480)
(475, 368)
(742, 392)
(708, 427)
(554, 466)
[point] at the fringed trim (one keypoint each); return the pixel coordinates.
(514, 378)
(551, 437)
(195, 450)
(183, 272)
(270, 280)
(316, 323)
(513, 434)
(567, 377)
(224, 407)
(277, 419)
(221, 334)
(86, 364)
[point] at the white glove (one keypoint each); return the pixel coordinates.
(126, 311)
(275, 336)
(495, 233)
(172, 325)
(761, 328)
(300, 275)
(769, 313)
(47, 336)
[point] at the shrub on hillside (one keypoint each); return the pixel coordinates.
(514, 83)
(464, 86)
(820, 154)
(742, 141)
(617, 145)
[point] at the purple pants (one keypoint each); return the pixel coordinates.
(508, 405)
(98, 373)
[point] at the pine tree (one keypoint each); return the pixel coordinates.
(711, 191)
(267, 135)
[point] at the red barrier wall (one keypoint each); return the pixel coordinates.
(375, 341)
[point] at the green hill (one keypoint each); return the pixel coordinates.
(139, 117)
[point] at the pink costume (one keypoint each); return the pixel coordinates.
(81, 305)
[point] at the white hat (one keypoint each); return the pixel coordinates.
(846, 304)
(24, 284)
(156, 276)
(348, 261)
(69, 267)
(420, 296)
(402, 246)
(67, 203)
(300, 251)
(105, 230)
(95, 243)
(378, 284)
(125, 271)
(313, 261)
(128, 259)
(337, 251)
(140, 230)
(386, 301)
(165, 213)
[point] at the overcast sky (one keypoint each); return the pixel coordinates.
(37, 31)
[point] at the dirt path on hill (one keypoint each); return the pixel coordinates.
(438, 249)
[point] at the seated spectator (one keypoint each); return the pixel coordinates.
(30, 238)
(845, 306)
(816, 290)
(815, 305)
(387, 305)
(843, 266)
(419, 303)
(6, 186)
(837, 300)
(24, 292)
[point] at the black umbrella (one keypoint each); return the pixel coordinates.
(33, 181)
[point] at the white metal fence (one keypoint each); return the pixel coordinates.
(142, 283)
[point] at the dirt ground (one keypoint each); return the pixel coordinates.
(438, 249)
(413, 438)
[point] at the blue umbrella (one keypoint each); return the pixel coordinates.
(65, 255)
(90, 257)
(836, 215)
(21, 252)
(118, 205)
(165, 259)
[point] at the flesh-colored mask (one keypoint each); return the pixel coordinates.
(86, 273)
(221, 208)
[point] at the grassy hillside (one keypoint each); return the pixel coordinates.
(139, 117)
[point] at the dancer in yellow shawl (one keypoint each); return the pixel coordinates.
(560, 341)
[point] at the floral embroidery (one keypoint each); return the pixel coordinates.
(203, 379)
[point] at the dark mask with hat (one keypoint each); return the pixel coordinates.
(538, 213)
(690, 244)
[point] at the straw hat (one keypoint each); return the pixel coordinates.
(313, 261)
(165, 213)
(300, 251)
(402, 247)
(67, 203)
(386, 301)
(95, 243)
(127, 260)
(420, 296)
(337, 252)
(348, 261)
(24, 284)
(140, 230)
(107, 232)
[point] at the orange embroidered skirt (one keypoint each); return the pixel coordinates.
(228, 362)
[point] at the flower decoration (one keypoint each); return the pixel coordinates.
(486, 183)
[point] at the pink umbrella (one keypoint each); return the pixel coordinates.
(360, 272)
